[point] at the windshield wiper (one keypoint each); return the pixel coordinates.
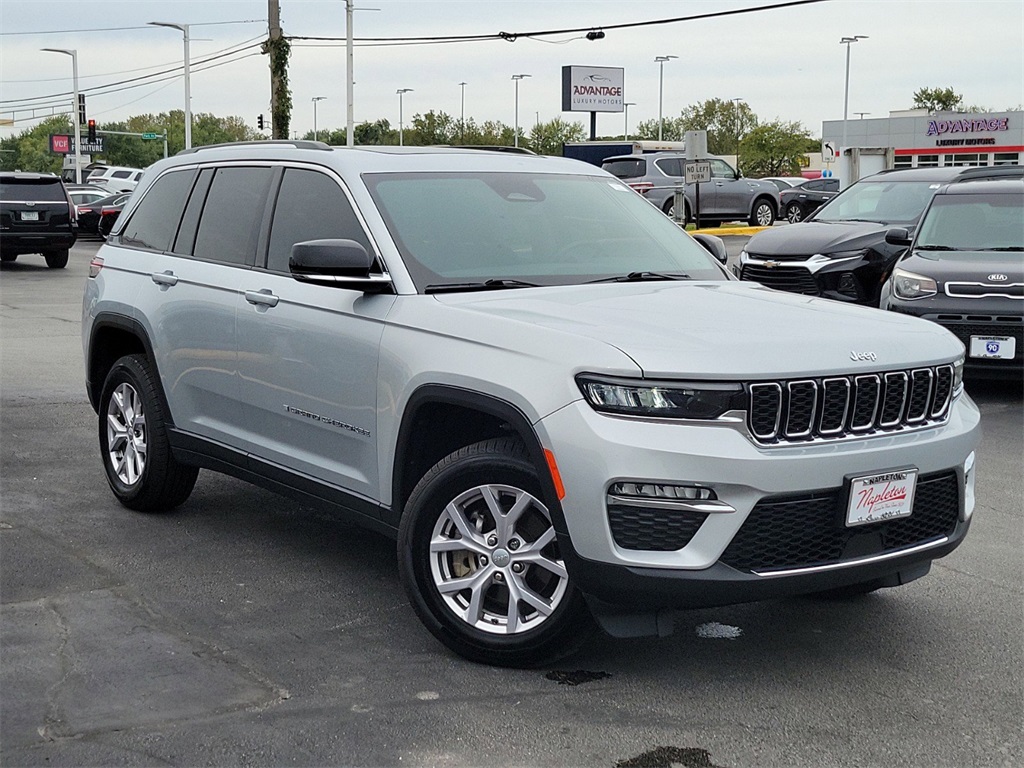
(1005, 248)
(937, 248)
(639, 277)
(486, 285)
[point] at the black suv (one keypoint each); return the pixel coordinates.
(964, 271)
(36, 216)
(840, 251)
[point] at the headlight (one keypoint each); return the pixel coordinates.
(744, 256)
(666, 400)
(907, 285)
(958, 376)
(844, 254)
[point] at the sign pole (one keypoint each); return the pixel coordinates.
(593, 126)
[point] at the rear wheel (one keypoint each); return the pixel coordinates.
(480, 561)
(762, 214)
(670, 210)
(794, 213)
(141, 470)
(56, 259)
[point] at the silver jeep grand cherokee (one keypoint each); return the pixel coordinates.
(562, 407)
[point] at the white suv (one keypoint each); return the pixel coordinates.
(116, 178)
(560, 405)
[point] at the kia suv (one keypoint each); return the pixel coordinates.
(965, 270)
(562, 408)
(36, 216)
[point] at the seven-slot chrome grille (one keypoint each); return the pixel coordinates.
(842, 406)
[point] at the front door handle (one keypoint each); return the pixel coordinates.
(262, 297)
(167, 278)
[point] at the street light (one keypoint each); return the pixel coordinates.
(625, 125)
(188, 90)
(462, 132)
(401, 126)
(736, 117)
(74, 109)
(661, 88)
(315, 100)
(517, 78)
(846, 93)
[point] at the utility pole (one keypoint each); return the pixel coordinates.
(350, 123)
(277, 47)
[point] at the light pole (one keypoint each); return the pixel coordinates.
(736, 117)
(661, 89)
(625, 124)
(401, 126)
(188, 89)
(316, 136)
(517, 78)
(462, 123)
(846, 92)
(74, 109)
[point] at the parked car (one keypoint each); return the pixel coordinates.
(840, 251)
(116, 178)
(561, 407)
(109, 211)
(36, 216)
(800, 202)
(965, 271)
(786, 182)
(727, 197)
(90, 215)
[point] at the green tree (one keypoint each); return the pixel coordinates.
(30, 149)
(938, 100)
(433, 128)
(726, 122)
(775, 149)
(548, 138)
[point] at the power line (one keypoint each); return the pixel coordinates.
(123, 29)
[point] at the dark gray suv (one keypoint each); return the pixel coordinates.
(727, 197)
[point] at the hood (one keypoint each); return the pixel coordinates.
(729, 330)
(810, 237)
(967, 266)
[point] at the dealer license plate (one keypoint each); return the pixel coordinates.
(30, 215)
(993, 347)
(884, 496)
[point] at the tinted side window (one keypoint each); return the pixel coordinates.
(121, 174)
(670, 166)
(231, 219)
(831, 185)
(625, 169)
(721, 169)
(814, 186)
(310, 206)
(156, 219)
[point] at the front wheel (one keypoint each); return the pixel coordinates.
(56, 259)
(480, 561)
(762, 215)
(794, 213)
(141, 470)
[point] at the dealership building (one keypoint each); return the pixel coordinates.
(919, 139)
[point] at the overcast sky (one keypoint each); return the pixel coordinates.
(785, 64)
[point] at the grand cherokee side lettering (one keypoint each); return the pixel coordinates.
(326, 420)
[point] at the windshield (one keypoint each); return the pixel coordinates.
(974, 223)
(885, 201)
(542, 229)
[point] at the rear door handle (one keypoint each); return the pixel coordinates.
(262, 297)
(167, 278)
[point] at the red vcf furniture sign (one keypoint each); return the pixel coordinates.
(60, 144)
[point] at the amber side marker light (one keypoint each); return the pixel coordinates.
(556, 478)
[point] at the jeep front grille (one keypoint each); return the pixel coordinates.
(840, 406)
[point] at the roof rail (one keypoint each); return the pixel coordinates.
(297, 143)
(975, 173)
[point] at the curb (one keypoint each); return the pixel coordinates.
(726, 231)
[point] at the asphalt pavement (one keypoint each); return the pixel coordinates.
(246, 630)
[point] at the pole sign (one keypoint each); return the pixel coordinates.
(593, 89)
(829, 153)
(150, 136)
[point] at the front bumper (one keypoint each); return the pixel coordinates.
(746, 480)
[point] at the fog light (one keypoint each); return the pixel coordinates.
(848, 285)
(658, 491)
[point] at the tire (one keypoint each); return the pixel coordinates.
(6, 258)
(762, 214)
(794, 213)
(455, 501)
(142, 472)
(56, 259)
(669, 210)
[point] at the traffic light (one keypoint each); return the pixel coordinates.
(259, 122)
(92, 131)
(81, 108)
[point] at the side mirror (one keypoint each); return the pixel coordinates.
(897, 236)
(339, 263)
(713, 245)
